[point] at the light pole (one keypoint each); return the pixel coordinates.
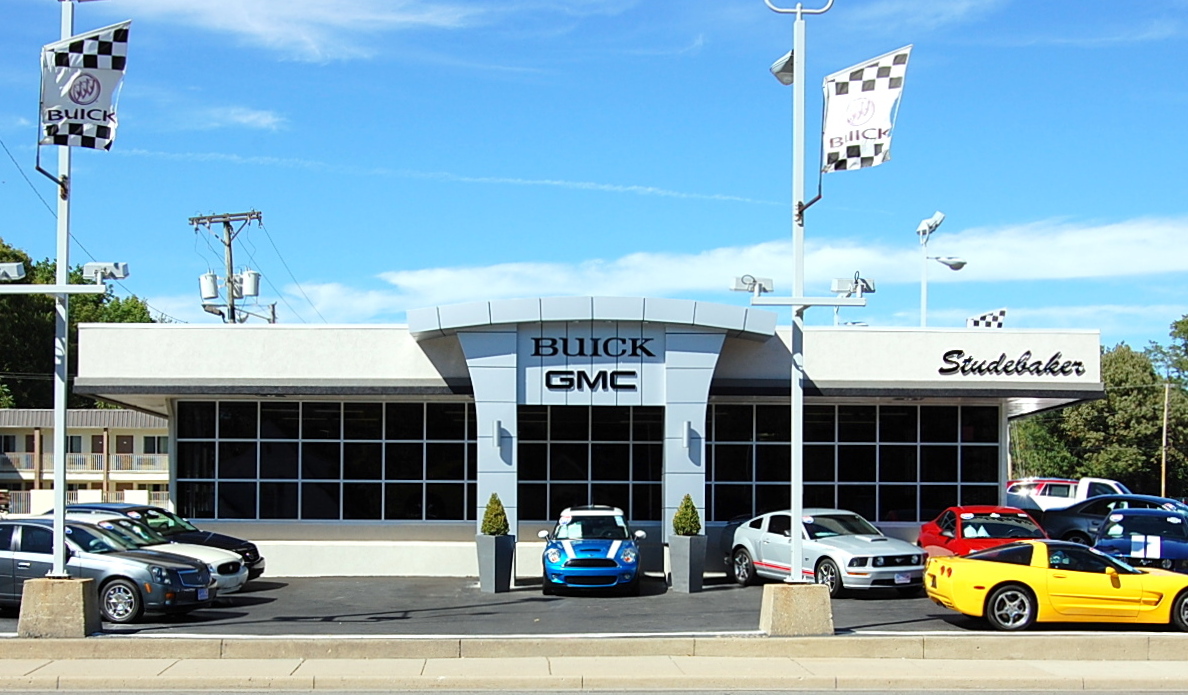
(925, 230)
(797, 301)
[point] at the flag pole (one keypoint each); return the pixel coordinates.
(61, 328)
(796, 391)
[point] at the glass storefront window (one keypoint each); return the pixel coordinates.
(326, 460)
(887, 462)
(575, 455)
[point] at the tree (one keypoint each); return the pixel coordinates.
(1172, 359)
(27, 332)
(1118, 437)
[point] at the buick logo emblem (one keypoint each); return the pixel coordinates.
(85, 90)
(860, 111)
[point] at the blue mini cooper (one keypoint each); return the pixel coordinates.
(591, 548)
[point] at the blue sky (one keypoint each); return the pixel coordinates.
(408, 153)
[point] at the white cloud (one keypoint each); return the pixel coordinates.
(1025, 253)
(240, 116)
(899, 15)
(309, 30)
(318, 31)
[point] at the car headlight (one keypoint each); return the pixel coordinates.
(1167, 564)
(880, 561)
(159, 574)
(915, 559)
(629, 555)
(553, 555)
(858, 562)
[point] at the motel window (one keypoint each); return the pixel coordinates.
(888, 463)
(156, 445)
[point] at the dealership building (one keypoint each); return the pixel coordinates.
(376, 447)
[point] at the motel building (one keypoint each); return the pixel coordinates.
(373, 449)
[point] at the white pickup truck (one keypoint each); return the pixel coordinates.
(1057, 493)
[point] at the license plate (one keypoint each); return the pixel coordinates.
(204, 594)
(902, 578)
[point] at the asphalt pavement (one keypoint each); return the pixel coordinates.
(440, 634)
(455, 606)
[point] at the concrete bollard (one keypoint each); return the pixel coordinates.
(59, 608)
(796, 610)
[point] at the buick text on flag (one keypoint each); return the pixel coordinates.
(80, 84)
(860, 107)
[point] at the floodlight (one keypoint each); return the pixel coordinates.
(782, 68)
(750, 283)
(106, 271)
(12, 271)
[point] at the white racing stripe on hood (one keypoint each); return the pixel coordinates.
(568, 545)
(614, 549)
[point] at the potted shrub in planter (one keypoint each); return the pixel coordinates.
(686, 548)
(496, 549)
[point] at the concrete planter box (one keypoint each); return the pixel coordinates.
(687, 559)
(496, 559)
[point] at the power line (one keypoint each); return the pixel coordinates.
(73, 238)
(286, 265)
(26, 178)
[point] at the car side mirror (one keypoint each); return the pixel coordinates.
(543, 534)
(948, 534)
(640, 535)
(1112, 571)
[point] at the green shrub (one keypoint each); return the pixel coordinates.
(686, 521)
(495, 518)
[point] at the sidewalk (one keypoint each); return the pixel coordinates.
(1133, 661)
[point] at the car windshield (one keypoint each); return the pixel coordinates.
(826, 525)
(1165, 526)
(144, 534)
(587, 527)
(164, 522)
(95, 540)
(995, 525)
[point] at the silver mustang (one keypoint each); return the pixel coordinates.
(841, 550)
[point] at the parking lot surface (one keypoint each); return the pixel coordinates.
(455, 606)
(452, 606)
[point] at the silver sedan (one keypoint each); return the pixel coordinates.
(841, 550)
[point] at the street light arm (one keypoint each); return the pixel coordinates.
(798, 9)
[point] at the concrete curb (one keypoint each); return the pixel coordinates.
(584, 673)
(1079, 647)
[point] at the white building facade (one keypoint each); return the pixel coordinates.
(397, 436)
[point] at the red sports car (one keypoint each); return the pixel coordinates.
(963, 530)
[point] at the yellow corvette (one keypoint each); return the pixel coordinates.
(1015, 585)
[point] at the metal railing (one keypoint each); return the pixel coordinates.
(87, 463)
(19, 500)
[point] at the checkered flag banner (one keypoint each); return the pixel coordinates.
(993, 319)
(860, 107)
(80, 84)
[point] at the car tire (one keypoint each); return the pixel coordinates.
(120, 602)
(632, 587)
(546, 587)
(828, 574)
(743, 568)
(1179, 615)
(1011, 608)
(1078, 537)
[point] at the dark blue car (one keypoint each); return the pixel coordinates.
(1146, 538)
(591, 548)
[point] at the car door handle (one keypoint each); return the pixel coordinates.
(24, 565)
(1059, 576)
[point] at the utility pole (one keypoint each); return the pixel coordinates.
(234, 283)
